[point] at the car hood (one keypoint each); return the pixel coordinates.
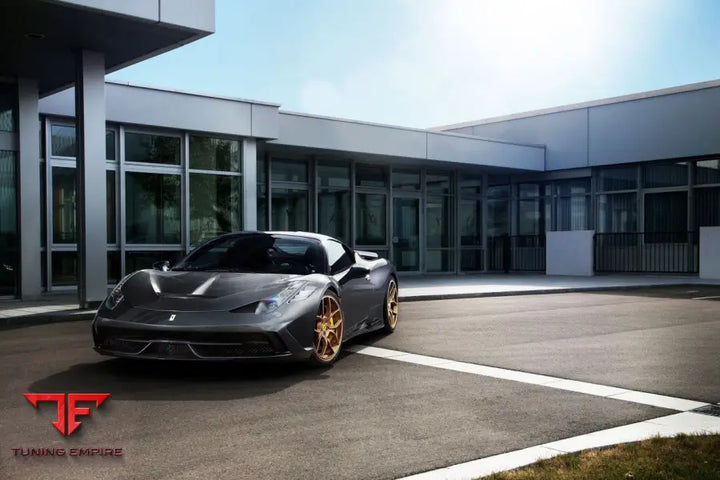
(200, 291)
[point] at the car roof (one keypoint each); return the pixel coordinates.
(312, 235)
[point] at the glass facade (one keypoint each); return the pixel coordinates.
(214, 206)
(152, 208)
(149, 148)
(8, 224)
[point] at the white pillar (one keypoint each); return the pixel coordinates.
(709, 254)
(91, 195)
(569, 253)
(249, 172)
(29, 185)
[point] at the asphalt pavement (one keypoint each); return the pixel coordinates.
(365, 417)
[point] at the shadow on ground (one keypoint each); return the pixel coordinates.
(156, 380)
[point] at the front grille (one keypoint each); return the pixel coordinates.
(170, 350)
(238, 350)
(172, 334)
(125, 346)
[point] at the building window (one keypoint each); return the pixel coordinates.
(707, 207)
(471, 222)
(152, 208)
(673, 174)
(334, 200)
(289, 209)
(148, 148)
(64, 209)
(371, 176)
(533, 208)
(666, 212)
(573, 204)
(614, 179)
(617, 213)
(9, 251)
(289, 171)
(371, 217)
(439, 222)
(407, 180)
(111, 206)
(707, 172)
(63, 142)
(214, 205)
(110, 145)
(214, 154)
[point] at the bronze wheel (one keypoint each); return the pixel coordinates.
(392, 306)
(328, 330)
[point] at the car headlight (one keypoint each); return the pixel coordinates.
(116, 296)
(293, 292)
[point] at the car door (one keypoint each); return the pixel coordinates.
(356, 288)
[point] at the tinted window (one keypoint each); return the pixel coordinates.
(339, 259)
(256, 253)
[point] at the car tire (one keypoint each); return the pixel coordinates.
(391, 306)
(328, 332)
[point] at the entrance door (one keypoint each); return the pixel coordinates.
(406, 234)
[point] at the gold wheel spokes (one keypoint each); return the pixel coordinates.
(392, 304)
(328, 329)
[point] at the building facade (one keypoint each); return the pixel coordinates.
(99, 179)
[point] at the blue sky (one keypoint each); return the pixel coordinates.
(424, 63)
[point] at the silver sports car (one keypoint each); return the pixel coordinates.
(271, 295)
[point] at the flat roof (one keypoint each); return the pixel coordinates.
(592, 103)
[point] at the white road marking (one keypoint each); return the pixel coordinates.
(597, 390)
(671, 425)
(706, 298)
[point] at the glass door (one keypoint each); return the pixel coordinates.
(406, 234)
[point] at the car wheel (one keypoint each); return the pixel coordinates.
(392, 307)
(328, 334)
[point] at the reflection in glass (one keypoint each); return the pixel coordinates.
(215, 204)
(573, 213)
(8, 224)
(439, 260)
(63, 205)
(289, 209)
(262, 223)
(371, 219)
(438, 182)
(62, 141)
(333, 176)
(152, 204)
(406, 180)
(214, 154)
(334, 214)
(110, 194)
(624, 178)
(471, 260)
(531, 216)
(707, 207)
(438, 222)
(371, 176)
(665, 175)
(470, 184)
(708, 171)
(406, 244)
(288, 170)
(110, 145)
(113, 267)
(573, 187)
(146, 148)
(497, 217)
(470, 222)
(666, 212)
(139, 260)
(617, 213)
(64, 268)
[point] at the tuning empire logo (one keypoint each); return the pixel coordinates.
(67, 423)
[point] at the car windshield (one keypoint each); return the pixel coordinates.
(256, 253)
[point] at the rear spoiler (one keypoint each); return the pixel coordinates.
(367, 255)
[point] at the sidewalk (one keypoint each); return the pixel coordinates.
(64, 307)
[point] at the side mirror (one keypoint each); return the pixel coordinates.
(358, 271)
(162, 265)
(367, 255)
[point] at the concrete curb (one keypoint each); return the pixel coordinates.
(10, 323)
(541, 291)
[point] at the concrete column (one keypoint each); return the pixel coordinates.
(91, 195)
(709, 255)
(249, 176)
(29, 186)
(569, 253)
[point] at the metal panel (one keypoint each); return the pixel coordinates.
(264, 121)
(564, 135)
(484, 153)
(195, 14)
(334, 134)
(670, 126)
(145, 9)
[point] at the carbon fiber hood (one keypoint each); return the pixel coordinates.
(200, 291)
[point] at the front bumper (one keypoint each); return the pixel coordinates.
(206, 336)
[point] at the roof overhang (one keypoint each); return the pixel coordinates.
(39, 38)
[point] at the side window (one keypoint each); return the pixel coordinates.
(339, 259)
